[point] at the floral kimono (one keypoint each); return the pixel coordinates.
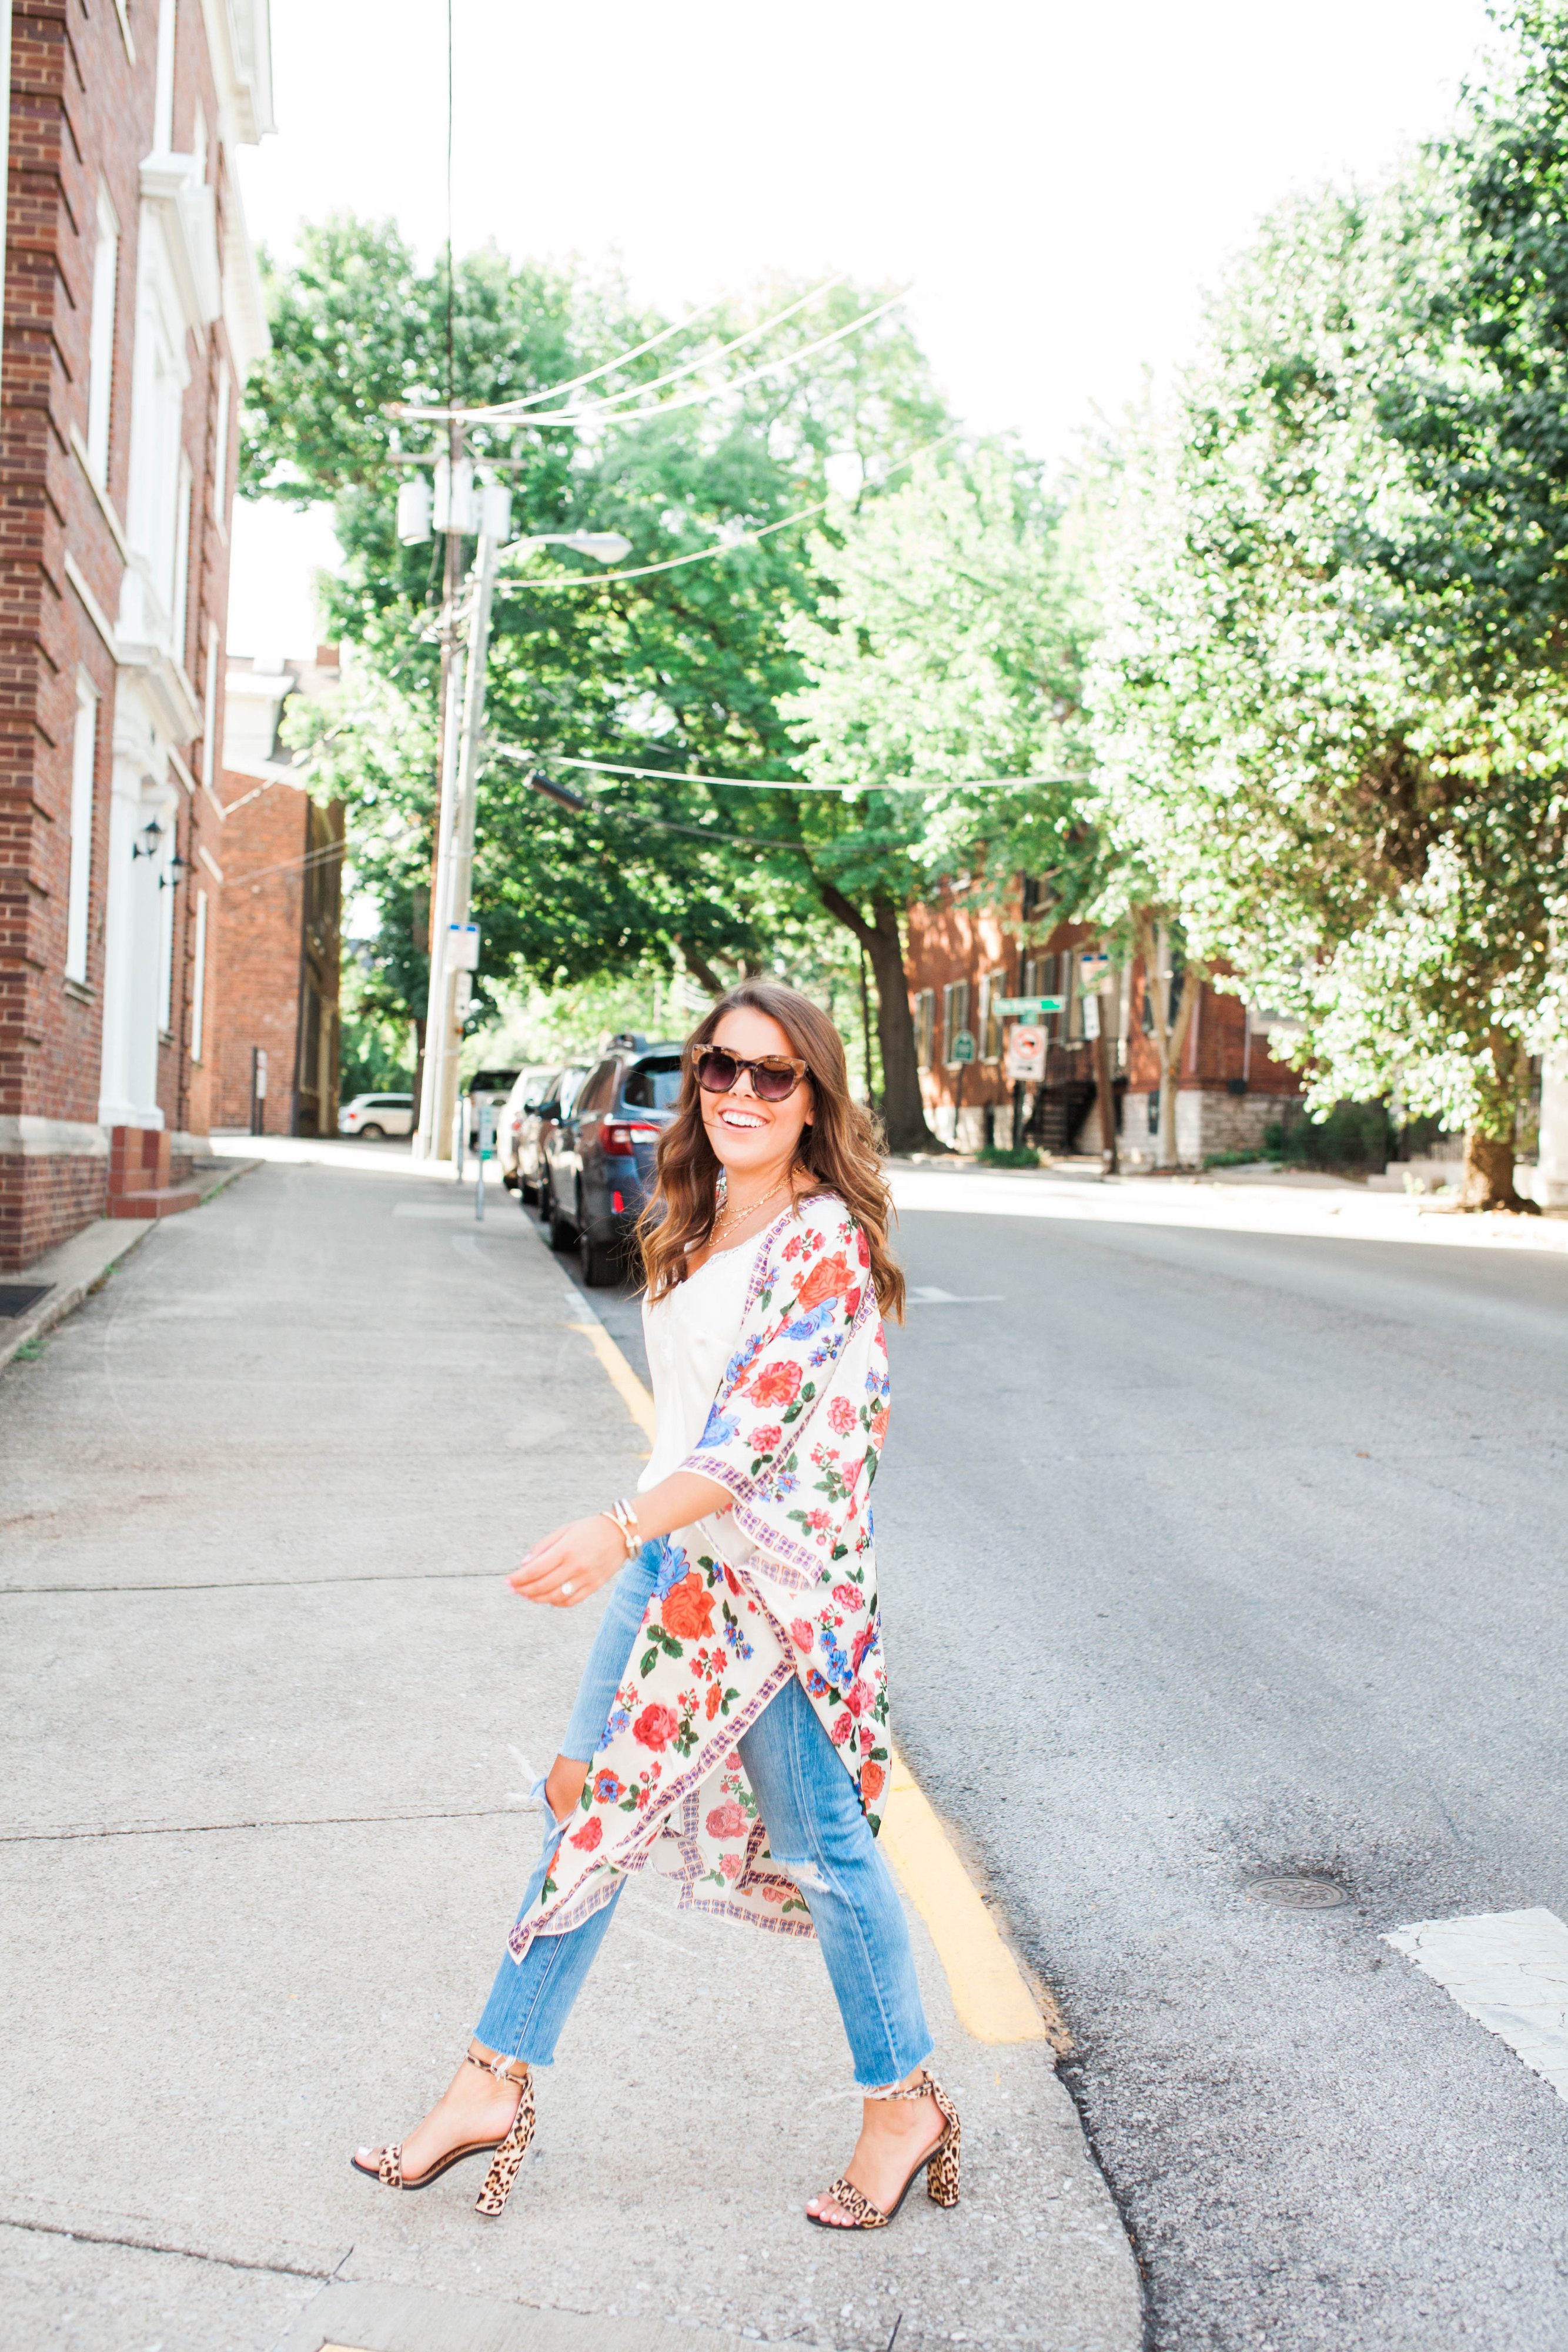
(794, 1434)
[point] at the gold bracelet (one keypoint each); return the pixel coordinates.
(620, 1515)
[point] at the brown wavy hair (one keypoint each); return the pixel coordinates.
(842, 1151)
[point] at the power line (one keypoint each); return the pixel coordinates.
(774, 784)
(621, 359)
(735, 383)
(720, 547)
(506, 408)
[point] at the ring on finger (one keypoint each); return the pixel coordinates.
(567, 1586)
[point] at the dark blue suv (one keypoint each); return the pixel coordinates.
(599, 1162)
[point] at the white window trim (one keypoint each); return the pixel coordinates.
(221, 452)
(199, 980)
(180, 601)
(100, 339)
(84, 762)
(210, 709)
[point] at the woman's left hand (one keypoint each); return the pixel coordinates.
(565, 1567)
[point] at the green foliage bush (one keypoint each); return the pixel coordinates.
(1353, 1134)
(1002, 1155)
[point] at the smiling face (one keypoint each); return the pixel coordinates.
(754, 1139)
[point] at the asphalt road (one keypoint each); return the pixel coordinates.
(1212, 1557)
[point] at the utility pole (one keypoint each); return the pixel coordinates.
(450, 985)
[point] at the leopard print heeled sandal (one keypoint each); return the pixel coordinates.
(939, 2164)
(507, 2153)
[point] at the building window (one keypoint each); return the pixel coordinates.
(167, 936)
(993, 989)
(84, 754)
(209, 707)
(199, 980)
(924, 1023)
(182, 558)
(221, 449)
(100, 339)
(954, 1017)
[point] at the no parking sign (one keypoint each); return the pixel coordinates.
(1026, 1052)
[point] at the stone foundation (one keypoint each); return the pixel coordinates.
(54, 1179)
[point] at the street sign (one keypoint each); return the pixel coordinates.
(1027, 1008)
(1091, 1006)
(1026, 1054)
(487, 1129)
(463, 946)
(1093, 972)
(962, 1046)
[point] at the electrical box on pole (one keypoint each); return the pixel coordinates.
(413, 511)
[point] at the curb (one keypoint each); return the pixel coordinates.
(993, 1999)
(66, 1296)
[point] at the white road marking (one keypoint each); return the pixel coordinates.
(1509, 1970)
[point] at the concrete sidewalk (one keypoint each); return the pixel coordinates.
(267, 1695)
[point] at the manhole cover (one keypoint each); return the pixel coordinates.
(1298, 1892)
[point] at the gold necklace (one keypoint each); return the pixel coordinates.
(727, 1216)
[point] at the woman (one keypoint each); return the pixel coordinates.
(733, 1714)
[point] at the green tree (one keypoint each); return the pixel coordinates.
(681, 669)
(945, 653)
(1316, 737)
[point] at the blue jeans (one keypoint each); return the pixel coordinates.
(816, 1831)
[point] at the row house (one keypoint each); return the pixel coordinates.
(275, 1065)
(132, 314)
(966, 957)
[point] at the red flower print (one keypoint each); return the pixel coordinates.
(873, 1781)
(776, 1383)
(767, 1439)
(726, 1822)
(588, 1835)
(607, 1790)
(847, 1597)
(841, 1416)
(829, 1278)
(843, 1728)
(879, 1426)
(715, 1699)
(731, 1865)
(802, 1635)
(655, 1726)
(731, 1579)
(687, 1609)
(818, 1520)
(862, 1248)
(774, 1894)
(858, 1698)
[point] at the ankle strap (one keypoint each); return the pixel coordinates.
(925, 2090)
(501, 2068)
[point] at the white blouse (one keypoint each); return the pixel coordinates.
(690, 1336)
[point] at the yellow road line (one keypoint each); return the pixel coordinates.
(989, 1993)
(627, 1386)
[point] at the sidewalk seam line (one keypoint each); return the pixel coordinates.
(990, 1994)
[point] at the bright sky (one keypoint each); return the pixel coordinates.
(1060, 181)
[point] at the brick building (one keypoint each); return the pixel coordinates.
(962, 959)
(132, 313)
(282, 916)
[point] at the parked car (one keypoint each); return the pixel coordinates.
(598, 1161)
(374, 1117)
(556, 1096)
(528, 1087)
(486, 1086)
